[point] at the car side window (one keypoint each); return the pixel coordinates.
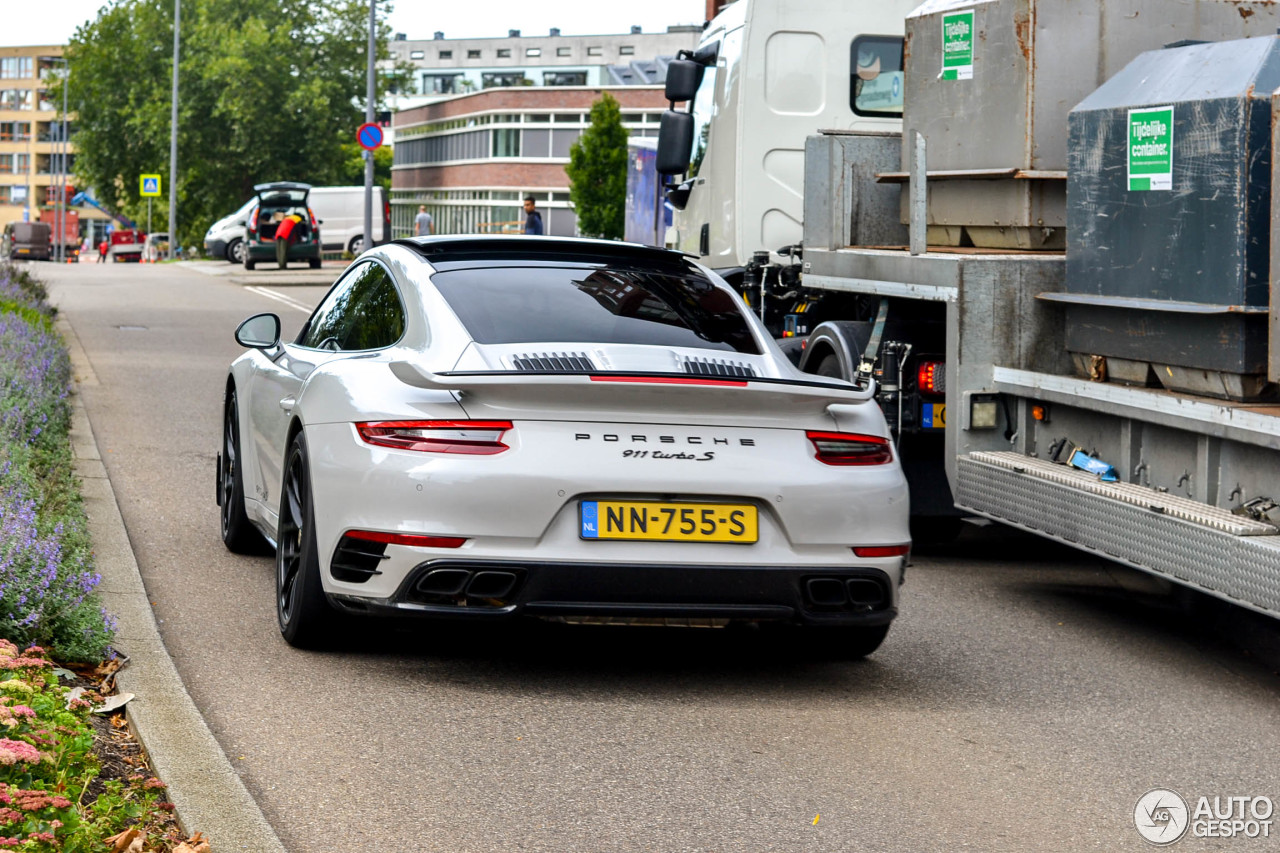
(362, 312)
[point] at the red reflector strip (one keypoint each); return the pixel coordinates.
(843, 448)
(672, 380)
(869, 551)
(407, 539)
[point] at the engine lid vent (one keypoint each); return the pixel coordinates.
(718, 367)
(576, 361)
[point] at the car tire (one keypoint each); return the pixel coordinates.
(305, 616)
(935, 529)
(235, 251)
(238, 533)
(356, 246)
(315, 263)
(248, 264)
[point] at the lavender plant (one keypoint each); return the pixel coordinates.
(47, 582)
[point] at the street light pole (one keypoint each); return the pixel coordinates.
(173, 137)
(369, 117)
(65, 170)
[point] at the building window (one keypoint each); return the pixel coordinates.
(564, 78)
(14, 164)
(473, 54)
(15, 68)
(441, 84)
(537, 117)
(595, 51)
(417, 54)
(14, 131)
(564, 51)
(533, 51)
(15, 99)
(568, 118)
(504, 53)
(493, 80)
(506, 142)
(446, 54)
(627, 50)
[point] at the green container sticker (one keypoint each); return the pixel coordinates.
(957, 46)
(1151, 148)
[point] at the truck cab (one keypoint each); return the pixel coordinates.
(777, 73)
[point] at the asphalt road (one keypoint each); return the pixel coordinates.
(1025, 699)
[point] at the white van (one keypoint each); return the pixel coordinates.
(225, 238)
(340, 211)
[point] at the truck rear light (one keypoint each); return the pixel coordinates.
(844, 448)
(931, 377)
(412, 539)
(868, 552)
(476, 438)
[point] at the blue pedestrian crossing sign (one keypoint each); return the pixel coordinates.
(150, 185)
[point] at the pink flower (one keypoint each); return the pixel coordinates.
(13, 751)
(59, 803)
(22, 711)
(153, 784)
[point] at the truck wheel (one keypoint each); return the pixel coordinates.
(829, 366)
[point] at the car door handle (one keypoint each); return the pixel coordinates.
(287, 405)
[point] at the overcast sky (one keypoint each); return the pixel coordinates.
(55, 21)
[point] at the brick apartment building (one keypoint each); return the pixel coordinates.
(472, 158)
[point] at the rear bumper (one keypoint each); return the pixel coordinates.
(266, 251)
(467, 589)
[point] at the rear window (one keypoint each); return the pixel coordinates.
(596, 305)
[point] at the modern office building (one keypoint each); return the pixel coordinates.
(472, 158)
(31, 145)
(458, 66)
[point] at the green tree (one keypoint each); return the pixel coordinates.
(598, 172)
(268, 91)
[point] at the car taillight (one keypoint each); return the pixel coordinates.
(314, 224)
(253, 220)
(844, 448)
(931, 377)
(869, 551)
(477, 438)
(416, 540)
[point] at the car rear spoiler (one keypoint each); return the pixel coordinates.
(577, 391)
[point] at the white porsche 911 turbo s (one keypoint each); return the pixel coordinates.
(480, 427)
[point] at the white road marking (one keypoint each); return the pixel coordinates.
(280, 297)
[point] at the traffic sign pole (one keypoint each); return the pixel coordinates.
(369, 117)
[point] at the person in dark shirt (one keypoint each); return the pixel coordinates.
(532, 218)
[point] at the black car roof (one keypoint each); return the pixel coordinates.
(477, 250)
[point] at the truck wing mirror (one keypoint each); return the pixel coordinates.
(684, 76)
(675, 143)
(679, 195)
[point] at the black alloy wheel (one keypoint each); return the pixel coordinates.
(306, 619)
(238, 533)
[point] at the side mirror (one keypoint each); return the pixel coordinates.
(261, 331)
(675, 143)
(679, 195)
(684, 76)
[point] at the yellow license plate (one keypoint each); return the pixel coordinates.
(674, 522)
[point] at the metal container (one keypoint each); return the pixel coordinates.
(997, 127)
(1170, 216)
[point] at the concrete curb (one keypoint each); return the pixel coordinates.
(206, 791)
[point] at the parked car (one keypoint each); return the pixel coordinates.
(340, 211)
(272, 202)
(155, 247)
(483, 427)
(225, 238)
(27, 241)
